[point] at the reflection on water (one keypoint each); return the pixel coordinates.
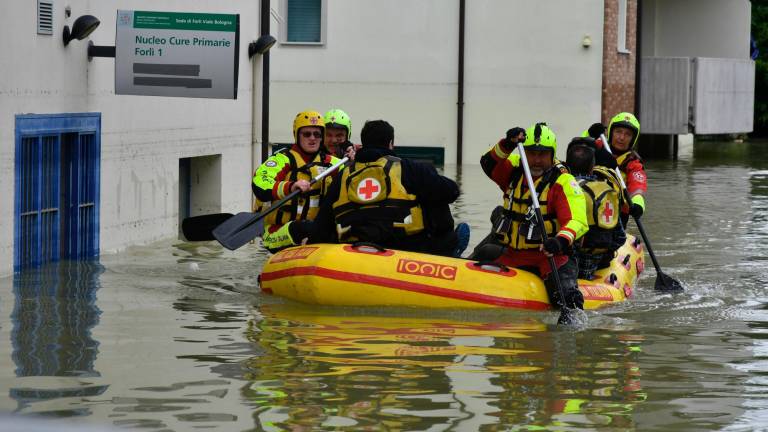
(53, 315)
(175, 336)
(325, 369)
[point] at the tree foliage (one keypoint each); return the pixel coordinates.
(760, 35)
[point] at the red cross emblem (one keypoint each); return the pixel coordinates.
(607, 212)
(368, 189)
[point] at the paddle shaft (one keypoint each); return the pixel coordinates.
(629, 202)
(540, 219)
(235, 232)
(293, 194)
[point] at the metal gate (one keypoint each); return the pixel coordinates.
(57, 188)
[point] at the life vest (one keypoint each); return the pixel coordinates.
(519, 216)
(624, 160)
(603, 196)
(372, 200)
(304, 206)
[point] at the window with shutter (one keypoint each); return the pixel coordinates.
(304, 22)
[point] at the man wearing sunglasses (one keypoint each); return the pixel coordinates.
(288, 171)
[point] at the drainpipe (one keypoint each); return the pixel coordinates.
(265, 84)
(638, 56)
(460, 102)
(260, 47)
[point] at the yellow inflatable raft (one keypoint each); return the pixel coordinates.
(347, 275)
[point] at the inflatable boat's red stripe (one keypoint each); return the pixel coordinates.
(402, 285)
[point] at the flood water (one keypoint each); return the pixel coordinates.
(176, 336)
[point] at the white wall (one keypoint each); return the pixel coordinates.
(397, 60)
(696, 28)
(142, 137)
(525, 63)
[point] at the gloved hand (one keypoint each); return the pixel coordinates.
(596, 130)
(602, 157)
(348, 149)
(514, 135)
(556, 245)
(636, 210)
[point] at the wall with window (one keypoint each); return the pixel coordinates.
(142, 137)
(397, 60)
(696, 28)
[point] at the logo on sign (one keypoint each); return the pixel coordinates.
(368, 189)
(428, 269)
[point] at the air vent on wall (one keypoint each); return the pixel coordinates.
(45, 17)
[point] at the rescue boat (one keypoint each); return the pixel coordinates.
(367, 275)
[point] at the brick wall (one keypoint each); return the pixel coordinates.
(618, 68)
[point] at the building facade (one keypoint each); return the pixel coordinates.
(88, 171)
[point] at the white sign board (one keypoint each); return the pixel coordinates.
(176, 54)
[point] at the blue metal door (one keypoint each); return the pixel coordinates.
(57, 188)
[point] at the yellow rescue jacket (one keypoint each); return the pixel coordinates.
(517, 232)
(281, 170)
(604, 198)
(372, 195)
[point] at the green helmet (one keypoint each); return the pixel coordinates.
(625, 120)
(540, 137)
(337, 118)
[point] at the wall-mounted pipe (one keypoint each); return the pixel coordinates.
(460, 101)
(638, 56)
(265, 17)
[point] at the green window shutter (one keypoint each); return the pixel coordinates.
(304, 20)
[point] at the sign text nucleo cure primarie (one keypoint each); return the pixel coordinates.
(176, 54)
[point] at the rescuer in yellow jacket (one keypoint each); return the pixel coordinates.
(391, 201)
(287, 171)
(623, 133)
(562, 205)
(604, 198)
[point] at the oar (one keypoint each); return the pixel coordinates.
(245, 226)
(566, 314)
(664, 282)
(200, 228)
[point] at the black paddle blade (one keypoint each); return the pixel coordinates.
(667, 283)
(200, 228)
(239, 230)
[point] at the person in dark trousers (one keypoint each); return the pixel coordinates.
(390, 201)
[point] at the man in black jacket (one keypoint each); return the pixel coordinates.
(393, 202)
